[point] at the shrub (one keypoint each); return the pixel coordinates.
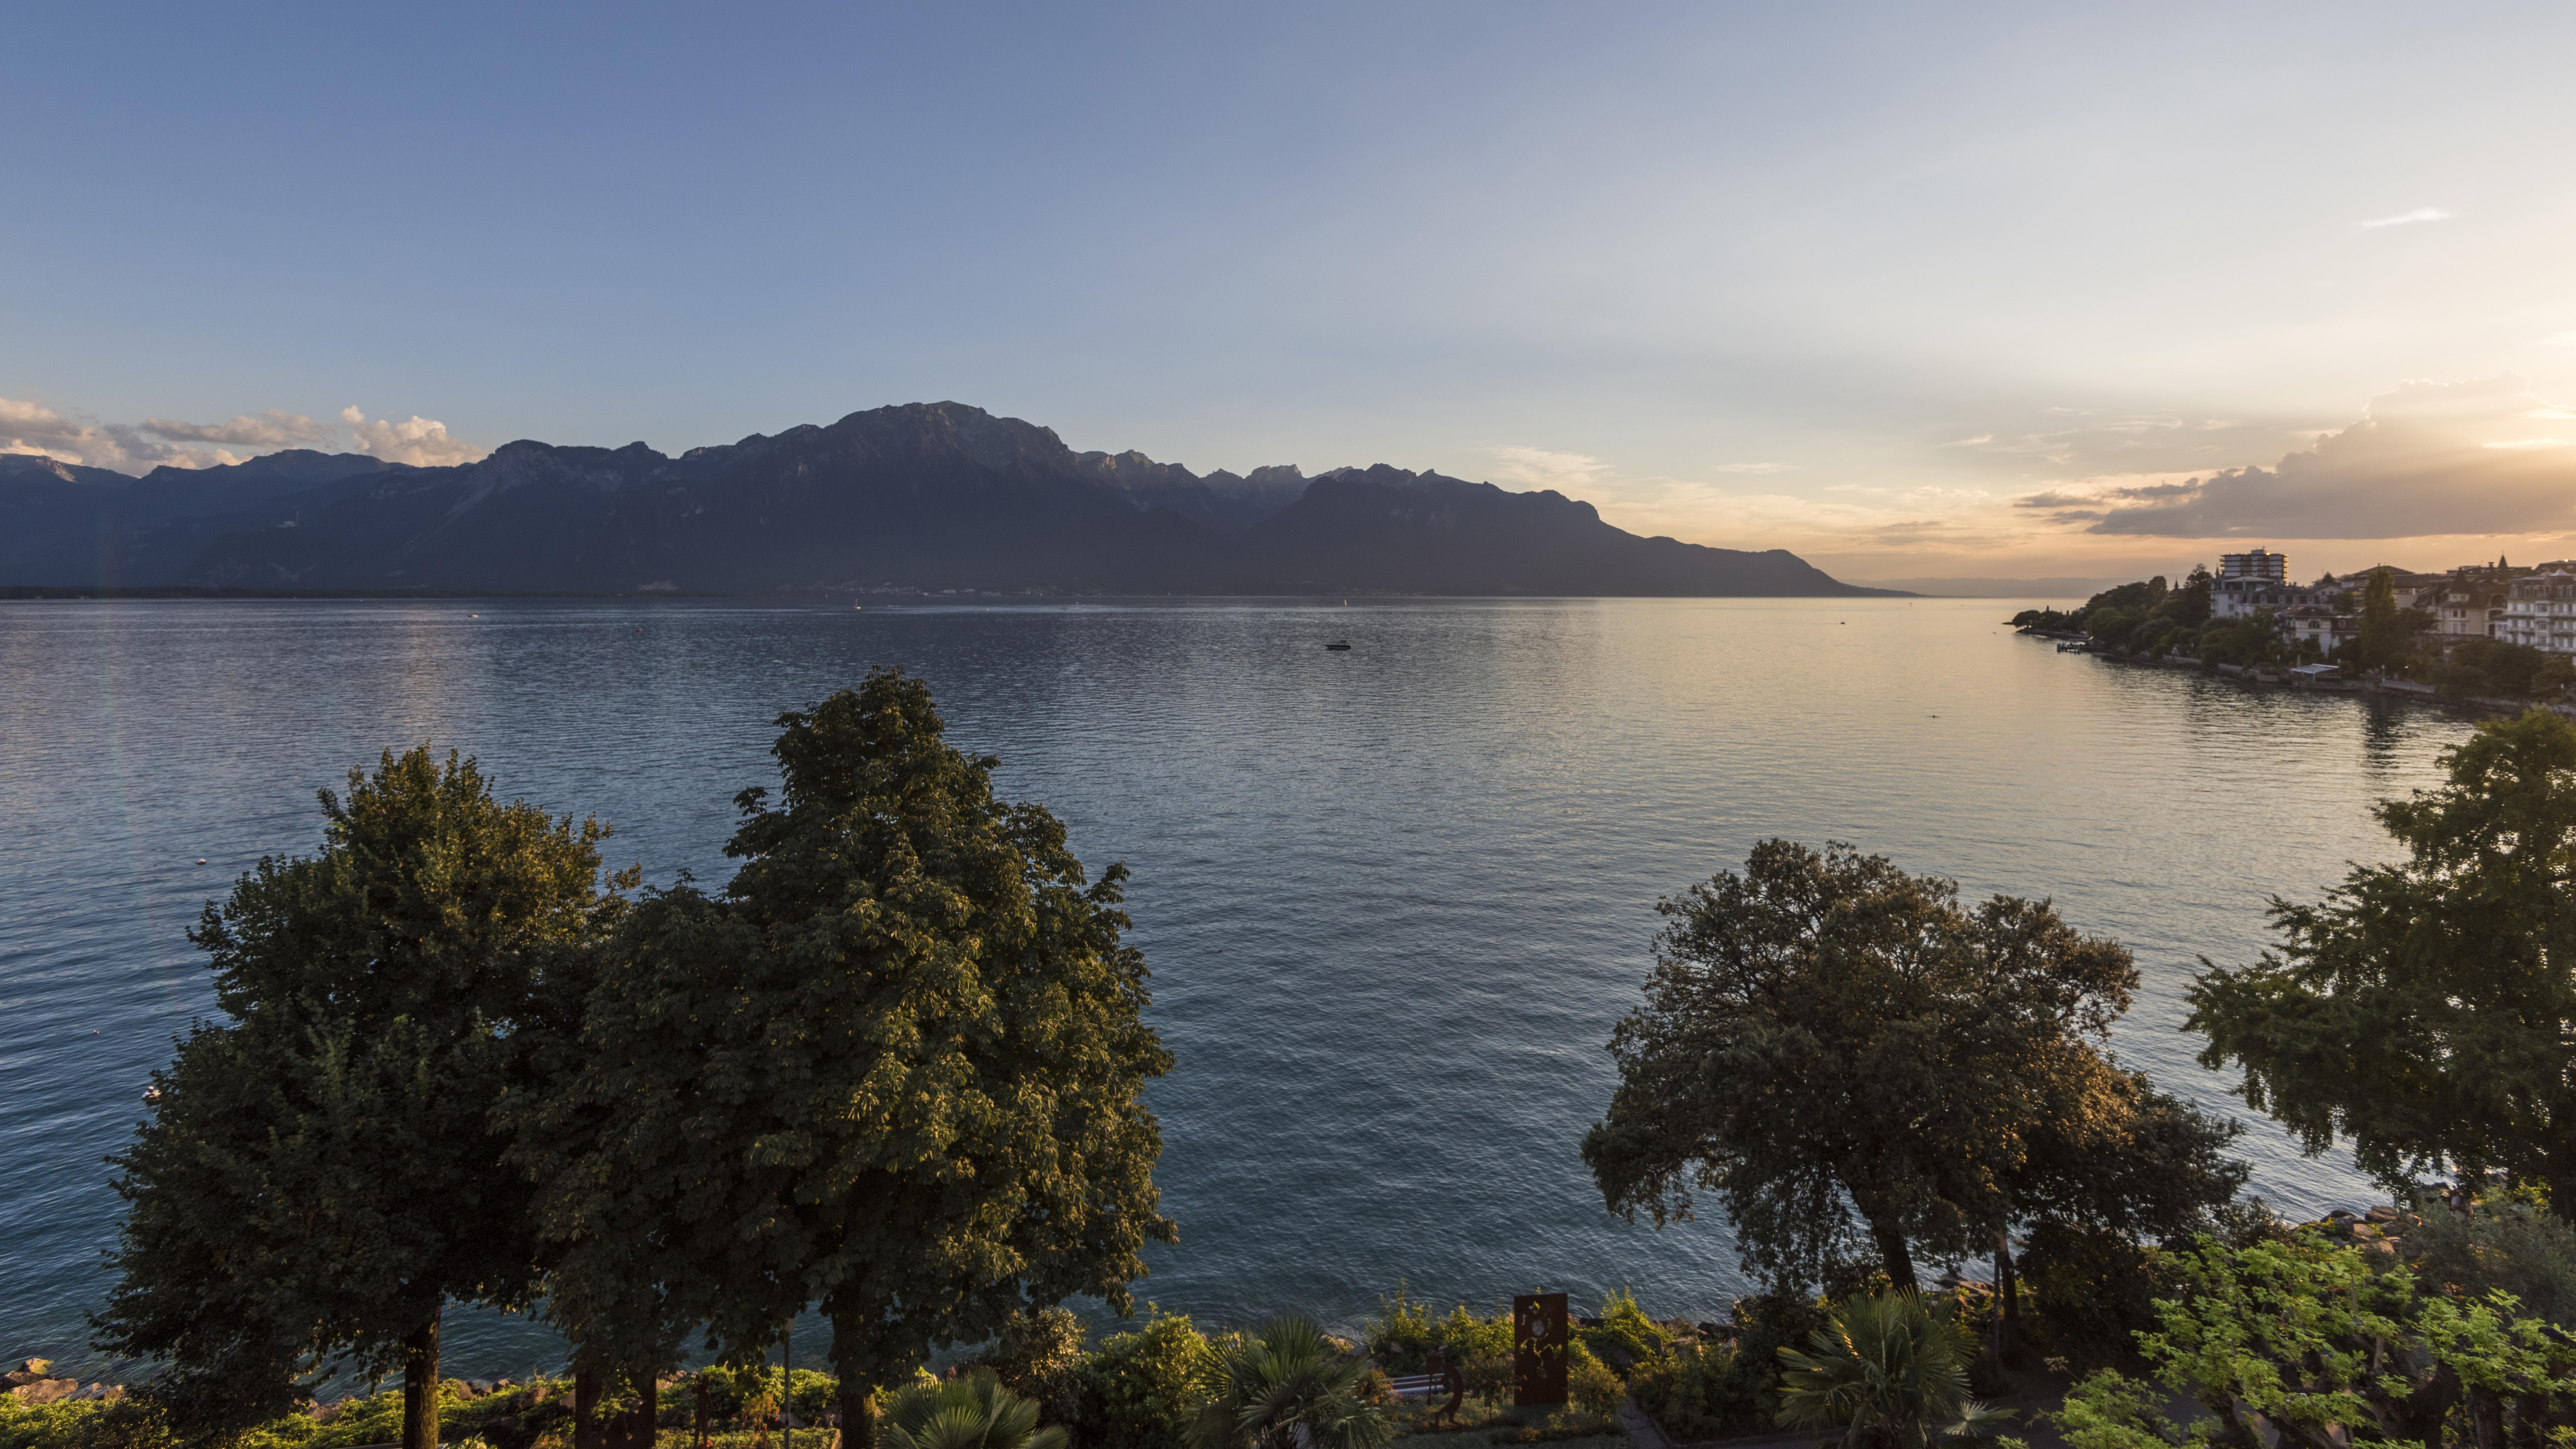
(1887, 1367)
(1403, 1334)
(2510, 1246)
(1698, 1391)
(1590, 1385)
(1142, 1389)
(1626, 1337)
(1036, 1356)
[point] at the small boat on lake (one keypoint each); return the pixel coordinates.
(1339, 644)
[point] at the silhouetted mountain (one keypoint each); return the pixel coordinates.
(927, 496)
(1370, 528)
(64, 524)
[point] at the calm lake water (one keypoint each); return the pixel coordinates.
(1393, 898)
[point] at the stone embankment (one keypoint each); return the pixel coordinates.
(34, 1381)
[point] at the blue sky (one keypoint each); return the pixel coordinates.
(1917, 291)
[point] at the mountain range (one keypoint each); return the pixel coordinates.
(928, 496)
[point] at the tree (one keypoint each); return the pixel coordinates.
(2420, 1008)
(1828, 1038)
(894, 1066)
(320, 1173)
(2387, 631)
(1284, 1388)
(1886, 1372)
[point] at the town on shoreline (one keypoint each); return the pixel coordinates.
(2487, 636)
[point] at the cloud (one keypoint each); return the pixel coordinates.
(2407, 218)
(423, 441)
(2476, 457)
(272, 429)
(32, 427)
(2558, 339)
(1539, 468)
(1979, 441)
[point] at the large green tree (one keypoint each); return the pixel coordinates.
(894, 1067)
(320, 1173)
(1837, 1048)
(2423, 1007)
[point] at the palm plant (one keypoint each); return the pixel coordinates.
(1284, 1388)
(974, 1412)
(1886, 1369)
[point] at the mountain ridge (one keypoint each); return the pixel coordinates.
(913, 496)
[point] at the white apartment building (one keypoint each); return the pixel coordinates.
(2541, 611)
(2261, 564)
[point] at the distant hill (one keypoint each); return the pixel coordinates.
(65, 524)
(927, 496)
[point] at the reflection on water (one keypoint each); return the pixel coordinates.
(1393, 897)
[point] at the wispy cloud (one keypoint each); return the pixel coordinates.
(2407, 218)
(275, 428)
(2558, 339)
(1542, 468)
(2428, 458)
(1979, 441)
(1757, 468)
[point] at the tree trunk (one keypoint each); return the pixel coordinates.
(639, 1420)
(420, 1384)
(2008, 1290)
(703, 1415)
(854, 1362)
(585, 1411)
(1893, 1256)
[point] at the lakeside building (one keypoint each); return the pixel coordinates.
(2256, 580)
(2236, 598)
(2466, 609)
(2318, 625)
(2540, 610)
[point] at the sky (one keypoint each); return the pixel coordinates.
(1992, 291)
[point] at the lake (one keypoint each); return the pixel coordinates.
(1393, 898)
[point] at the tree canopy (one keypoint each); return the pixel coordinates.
(894, 1066)
(319, 1172)
(2421, 1008)
(1835, 1047)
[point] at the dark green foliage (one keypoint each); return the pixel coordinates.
(1704, 1391)
(1886, 1370)
(2305, 1345)
(320, 1171)
(1828, 1038)
(1142, 1389)
(2388, 632)
(1283, 1387)
(970, 1412)
(2252, 640)
(2495, 669)
(894, 1066)
(2419, 1007)
(1625, 1337)
(1038, 1356)
(2507, 1247)
(2088, 1293)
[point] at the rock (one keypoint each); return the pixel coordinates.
(102, 1393)
(44, 1391)
(28, 1371)
(2384, 1213)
